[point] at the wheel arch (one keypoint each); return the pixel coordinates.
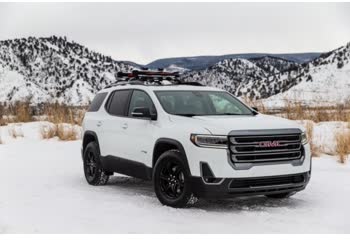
(89, 136)
(165, 144)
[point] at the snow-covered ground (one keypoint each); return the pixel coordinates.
(43, 190)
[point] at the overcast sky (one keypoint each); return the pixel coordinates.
(143, 32)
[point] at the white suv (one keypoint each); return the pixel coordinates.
(192, 141)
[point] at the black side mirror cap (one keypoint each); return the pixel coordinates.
(255, 109)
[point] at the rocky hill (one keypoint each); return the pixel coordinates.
(53, 69)
(324, 81)
(260, 78)
(56, 69)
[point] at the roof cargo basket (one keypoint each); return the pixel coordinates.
(154, 78)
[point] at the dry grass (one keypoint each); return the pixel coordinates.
(315, 151)
(255, 103)
(66, 133)
(53, 112)
(295, 110)
(1, 141)
(48, 131)
(343, 145)
(61, 113)
(23, 112)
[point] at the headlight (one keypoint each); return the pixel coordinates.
(304, 138)
(210, 141)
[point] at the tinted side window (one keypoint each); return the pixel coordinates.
(96, 103)
(118, 103)
(140, 99)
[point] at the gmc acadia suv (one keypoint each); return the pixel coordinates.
(192, 141)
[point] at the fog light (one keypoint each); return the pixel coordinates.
(212, 180)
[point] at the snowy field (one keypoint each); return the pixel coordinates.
(43, 190)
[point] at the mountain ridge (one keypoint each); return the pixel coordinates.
(56, 69)
(202, 62)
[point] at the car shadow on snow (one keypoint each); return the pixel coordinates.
(144, 188)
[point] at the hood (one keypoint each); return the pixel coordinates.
(222, 125)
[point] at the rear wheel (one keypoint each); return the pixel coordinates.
(171, 180)
(93, 171)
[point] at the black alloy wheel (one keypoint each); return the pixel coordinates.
(172, 180)
(94, 173)
(90, 166)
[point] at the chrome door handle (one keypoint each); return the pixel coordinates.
(99, 124)
(125, 126)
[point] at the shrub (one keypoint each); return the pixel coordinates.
(66, 132)
(315, 151)
(61, 113)
(343, 145)
(23, 112)
(48, 131)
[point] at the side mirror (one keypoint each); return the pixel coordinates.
(143, 112)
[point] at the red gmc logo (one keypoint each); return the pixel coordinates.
(270, 144)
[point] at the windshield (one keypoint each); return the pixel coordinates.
(197, 103)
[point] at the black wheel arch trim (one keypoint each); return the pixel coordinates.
(84, 143)
(178, 146)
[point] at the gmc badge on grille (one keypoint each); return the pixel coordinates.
(270, 144)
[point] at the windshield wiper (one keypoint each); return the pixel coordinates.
(231, 114)
(186, 114)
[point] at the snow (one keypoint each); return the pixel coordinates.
(324, 134)
(43, 190)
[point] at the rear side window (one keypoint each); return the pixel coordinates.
(97, 102)
(118, 103)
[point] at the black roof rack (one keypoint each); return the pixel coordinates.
(154, 78)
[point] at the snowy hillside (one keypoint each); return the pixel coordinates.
(50, 69)
(255, 78)
(56, 69)
(325, 80)
(238, 76)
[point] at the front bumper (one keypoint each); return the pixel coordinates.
(232, 187)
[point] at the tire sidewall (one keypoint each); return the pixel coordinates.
(176, 157)
(93, 147)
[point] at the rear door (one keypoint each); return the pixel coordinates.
(114, 124)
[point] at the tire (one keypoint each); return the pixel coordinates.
(280, 195)
(94, 174)
(171, 180)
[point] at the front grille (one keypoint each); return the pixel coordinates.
(265, 147)
(268, 181)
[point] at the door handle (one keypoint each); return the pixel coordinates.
(125, 126)
(99, 124)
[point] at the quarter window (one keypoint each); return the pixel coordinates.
(96, 103)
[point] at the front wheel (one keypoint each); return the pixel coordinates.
(171, 180)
